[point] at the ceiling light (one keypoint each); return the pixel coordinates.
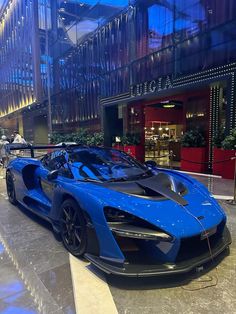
(168, 106)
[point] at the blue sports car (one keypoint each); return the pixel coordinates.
(125, 217)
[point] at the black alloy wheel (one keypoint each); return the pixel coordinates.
(73, 228)
(11, 188)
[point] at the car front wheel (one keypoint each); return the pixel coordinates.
(73, 228)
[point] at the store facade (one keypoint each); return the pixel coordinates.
(150, 69)
(169, 106)
(144, 59)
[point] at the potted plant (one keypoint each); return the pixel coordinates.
(225, 149)
(193, 151)
(132, 145)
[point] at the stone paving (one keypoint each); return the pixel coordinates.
(40, 263)
(170, 295)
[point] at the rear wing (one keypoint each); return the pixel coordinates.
(32, 148)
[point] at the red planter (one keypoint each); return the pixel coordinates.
(222, 165)
(119, 147)
(193, 159)
(136, 151)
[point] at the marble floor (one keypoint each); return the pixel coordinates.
(163, 160)
(37, 276)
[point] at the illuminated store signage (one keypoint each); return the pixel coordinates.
(151, 87)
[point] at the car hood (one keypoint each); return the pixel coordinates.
(197, 213)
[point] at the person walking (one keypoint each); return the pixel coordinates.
(4, 155)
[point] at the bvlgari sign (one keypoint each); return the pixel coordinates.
(151, 87)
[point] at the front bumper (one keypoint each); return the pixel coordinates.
(131, 270)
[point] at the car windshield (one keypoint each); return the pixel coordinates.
(103, 164)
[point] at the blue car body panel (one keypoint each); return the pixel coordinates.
(176, 220)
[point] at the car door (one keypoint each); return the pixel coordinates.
(55, 161)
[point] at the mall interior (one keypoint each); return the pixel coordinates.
(154, 79)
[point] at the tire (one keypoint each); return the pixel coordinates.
(11, 188)
(73, 228)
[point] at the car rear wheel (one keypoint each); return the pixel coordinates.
(11, 188)
(73, 228)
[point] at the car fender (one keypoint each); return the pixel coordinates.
(93, 206)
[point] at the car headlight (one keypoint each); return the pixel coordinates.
(127, 225)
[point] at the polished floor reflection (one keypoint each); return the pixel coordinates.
(14, 295)
(34, 266)
(36, 274)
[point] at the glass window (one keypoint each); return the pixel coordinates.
(160, 26)
(105, 165)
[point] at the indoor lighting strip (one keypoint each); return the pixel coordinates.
(224, 68)
(217, 109)
(203, 79)
(210, 156)
(232, 104)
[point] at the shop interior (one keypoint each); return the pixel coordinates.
(159, 124)
(167, 119)
(164, 124)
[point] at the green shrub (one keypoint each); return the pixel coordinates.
(95, 139)
(193, 138)
(57, 138)
(131, 139)
(230, 141)
(81, 137)
(219, 137)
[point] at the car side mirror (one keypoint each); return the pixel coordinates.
(150, 163)
(52, 175)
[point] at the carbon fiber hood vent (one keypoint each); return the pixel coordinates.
(156, 187)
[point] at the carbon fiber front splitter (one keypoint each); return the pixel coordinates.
(131, 270)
